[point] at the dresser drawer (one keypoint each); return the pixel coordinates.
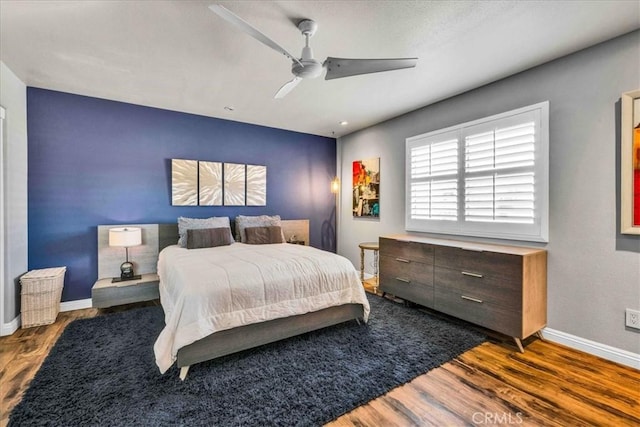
(406, 250)
(487, 314)
(410, 291)
(479, 262)
(498, 290)
(412, 271)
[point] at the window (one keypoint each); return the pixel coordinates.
(485, 178)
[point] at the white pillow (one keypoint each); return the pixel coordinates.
(243, 222)
(185, 224)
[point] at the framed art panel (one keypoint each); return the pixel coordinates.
(630, 163)
(234, 184)
(366, 188)
(256, 185)
(210, 185)
(184, 182)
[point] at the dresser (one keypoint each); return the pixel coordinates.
(499, 287)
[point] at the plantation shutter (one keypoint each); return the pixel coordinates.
(484, 178)
(434, 182)
(500, 175)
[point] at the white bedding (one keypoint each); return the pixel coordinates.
(208, 290)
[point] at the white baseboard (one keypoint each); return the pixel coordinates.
(14, 325)
(614, 354)
(76, 305)
(11, 327)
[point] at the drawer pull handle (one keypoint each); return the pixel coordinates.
(403, 280)
(403, 260)
(479, 301)
(472, 250)
(466, 273)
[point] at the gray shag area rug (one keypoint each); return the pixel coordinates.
(102, 372)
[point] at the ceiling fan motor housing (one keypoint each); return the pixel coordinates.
(309, 69)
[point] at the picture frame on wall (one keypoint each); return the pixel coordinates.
(206, 183)
(630, 163)
(184, 182)
(234, 184)
(366, 188)
(256, 185)
(210, 183)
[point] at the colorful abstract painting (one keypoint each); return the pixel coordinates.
(630, 163)
(366, 188)
(636, 163)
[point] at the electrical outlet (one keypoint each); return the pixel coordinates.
(632, 318)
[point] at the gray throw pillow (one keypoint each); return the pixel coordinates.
(185, 224)
(263, 235)
(242, 222)
(208, 237)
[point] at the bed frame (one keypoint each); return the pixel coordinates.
(158, 236)
(249, 336)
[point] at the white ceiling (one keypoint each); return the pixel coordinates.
(178, 55)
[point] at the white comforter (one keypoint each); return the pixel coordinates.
(208, 290)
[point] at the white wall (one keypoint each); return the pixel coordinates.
(593, 271)
(13, 97)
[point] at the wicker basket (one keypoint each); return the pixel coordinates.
(41, 292)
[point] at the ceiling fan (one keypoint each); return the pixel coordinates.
(307, 66)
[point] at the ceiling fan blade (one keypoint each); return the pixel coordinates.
(287, 87)
(343, 67)
(244, 26)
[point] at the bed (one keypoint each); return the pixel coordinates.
(224, 299)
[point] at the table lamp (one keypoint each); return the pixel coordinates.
(125, 237)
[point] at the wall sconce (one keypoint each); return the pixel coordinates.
(125, 237)
(335, 185)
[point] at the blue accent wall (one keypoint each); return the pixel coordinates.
(93, 161)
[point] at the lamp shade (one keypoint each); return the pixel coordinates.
(125, 236)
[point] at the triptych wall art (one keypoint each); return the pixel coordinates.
(366, 188)
(630, 163)
(200, 183)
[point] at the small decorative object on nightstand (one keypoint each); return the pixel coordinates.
(293, 240)
(125, 237)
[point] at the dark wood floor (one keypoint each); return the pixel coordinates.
(492, 384)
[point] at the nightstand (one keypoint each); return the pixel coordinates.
(106, 294)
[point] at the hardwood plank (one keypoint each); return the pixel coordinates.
(620, 385)
(559, 386)
(413, 397)
(408, 397)
(516, 400)
(463, 400)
